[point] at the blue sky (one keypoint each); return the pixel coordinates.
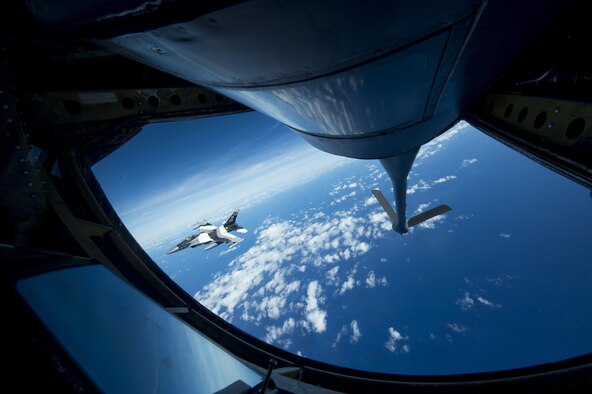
(203, 170)
(470, 290)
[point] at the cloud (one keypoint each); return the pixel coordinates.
(340, 335)
(314, 315)
(459, 329)
(349, 283)
(503, 235)
(435, 145)
(420, 185)
(274, 333)
(204, 194)
(423, 185)
(331, 275)
(372, 281)
(343, 198)
(488, 303)
(269, 284)
(355, 332)
(444, 179)
(396, 341)
(467, 162)
(466, 302)
(370, 201)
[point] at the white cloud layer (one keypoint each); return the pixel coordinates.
(282, 281)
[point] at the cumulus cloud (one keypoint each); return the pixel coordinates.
(420, 185)
(274, 333)
(466, 302)
(459, 329)
(343, 198)
(355, 332)
(488, 303)
(372, 281)
(435, 145)
(331, 275)
(340, 335)
(444, 179)
(314, 315)
(269, 284)
(467, 162)
(348, 284)
(370, 201)
(503, 235)
(424, 185)
(396, 341)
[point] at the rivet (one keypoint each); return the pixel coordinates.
(5, 106)
(29, 184)
(33, 195)
(158, 50)
(21, 159)
(550, 125)
(25, 172)
(1, 91)
(37, 206)
(17, 147)
(8, 134)
(556, 110)
(9, 120)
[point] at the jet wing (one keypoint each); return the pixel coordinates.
(212, 245)
(222, 234)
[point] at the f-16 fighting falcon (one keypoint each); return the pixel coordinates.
(210, 234)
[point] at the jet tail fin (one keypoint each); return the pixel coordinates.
(232, 219)
(432, 213)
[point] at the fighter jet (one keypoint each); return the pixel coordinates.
(212, 235)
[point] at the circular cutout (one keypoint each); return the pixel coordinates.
(153, 101)
(575, 128)
(522, 114)
(128, 103)
(73, 107)
(508, 110)
(539, 121)
(175, 99)
(202, 98)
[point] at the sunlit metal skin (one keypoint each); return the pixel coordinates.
(378, 93)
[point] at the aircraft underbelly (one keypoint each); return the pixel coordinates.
(202, 239)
